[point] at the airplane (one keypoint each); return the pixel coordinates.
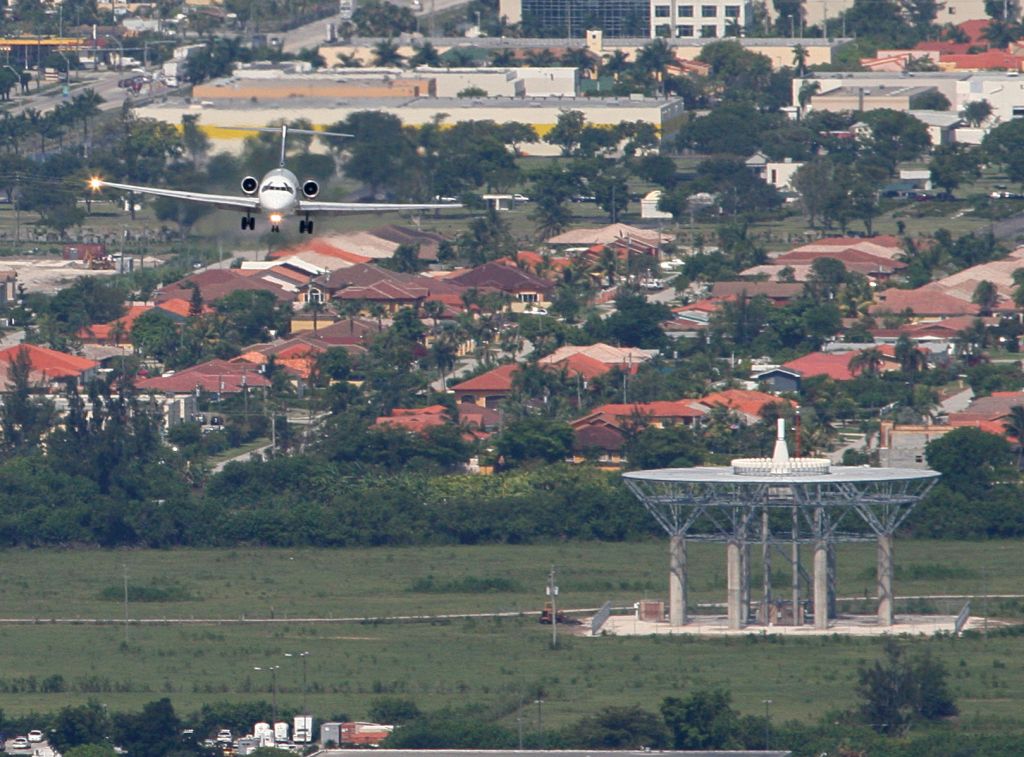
(279, 194)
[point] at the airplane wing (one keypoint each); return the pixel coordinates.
(227, 202)
(311, 206)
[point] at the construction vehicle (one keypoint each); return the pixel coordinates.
(545, 615)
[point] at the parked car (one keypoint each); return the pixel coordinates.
(20, 743)
(534, 310)
(35, 736)
(224, 736)
(520, 198)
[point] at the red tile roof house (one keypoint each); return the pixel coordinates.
(600, 443)
(587, 360)
(750, 405)
(921, 303)
(659, 414)
(110, 333)
(487, 389)
(370, 283)
(217, 283)
(988, 413)
(834, 365)
(779, 292)
(601, 434)
(47, 368)
(297, 355)
(522, 286)
(212, 377)
(417, 419)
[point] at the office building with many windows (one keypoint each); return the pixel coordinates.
(572, 18)
(698, 19)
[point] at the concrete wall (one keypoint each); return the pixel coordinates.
(278, 89)
(666, 115)
(903, 446)
(780, 174)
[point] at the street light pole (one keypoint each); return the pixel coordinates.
(272, 669)
(767, 724)
(305, 688)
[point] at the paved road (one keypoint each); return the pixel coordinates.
(406, 618)
(244, 457)
(103, 82)
(314, 34)
(12, 339)
(310, 35)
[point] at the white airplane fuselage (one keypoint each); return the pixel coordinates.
(279, 192)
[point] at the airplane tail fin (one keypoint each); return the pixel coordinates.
(284, 130)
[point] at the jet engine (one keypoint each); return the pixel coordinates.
(310, 188)
(250, 185)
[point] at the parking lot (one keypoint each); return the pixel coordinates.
(35, 749)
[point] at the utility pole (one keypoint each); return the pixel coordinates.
(124, 569)
(552, 591)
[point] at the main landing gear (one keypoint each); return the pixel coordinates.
(248, 222)
(306, 227)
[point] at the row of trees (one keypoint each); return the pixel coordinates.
(900, 689)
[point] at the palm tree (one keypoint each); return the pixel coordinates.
(385, 53)
(541, 59)
(800, 60)
(608, 265)
(971, 342)
(433, 309)
(578, 58)
(655, 58)
(426, 56)
(442, 355)
(86, 107)
(976, 112)
(378, 311)
(348, 60)
(986, 297)
(1001, 33)
(349, 309)
(1014, 426)
(615, 64)
(910, 358)
(867, 362)
(503, 58)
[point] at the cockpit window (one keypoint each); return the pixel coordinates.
(280, 187)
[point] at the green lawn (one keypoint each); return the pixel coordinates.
(459, 661)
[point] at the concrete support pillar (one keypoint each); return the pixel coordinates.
(820, 573)
(798, 612)
(886, 600)
(745, 581)
(734, 588)
(765, 614)
(677, 580)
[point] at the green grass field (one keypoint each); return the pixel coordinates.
(451, 662)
